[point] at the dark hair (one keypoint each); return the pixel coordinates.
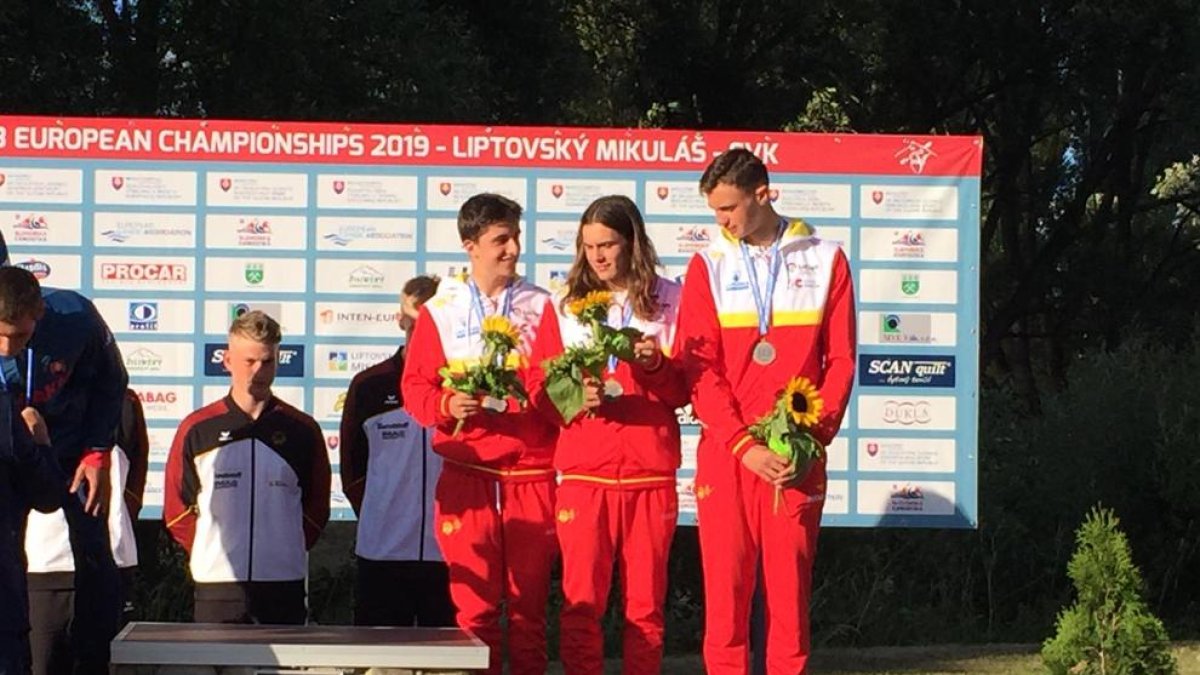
(485, 209)
(20, 294)
(621, 215)
(421, 288)
(738, 167)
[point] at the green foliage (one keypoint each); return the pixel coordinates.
(566, 373)
(1109, 630)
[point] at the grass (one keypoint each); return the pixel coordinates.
(997, 659)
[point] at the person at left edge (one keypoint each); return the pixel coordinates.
(246, 489)
(495, 498)
(61, 359)
(30, 478)
(389, 473)
(48, 548)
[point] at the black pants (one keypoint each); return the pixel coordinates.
(267, 602)
(51, 618)
(14, 654)
(403, 593)
(97, 615)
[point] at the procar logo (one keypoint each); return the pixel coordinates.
(890, 370)
(291, 360)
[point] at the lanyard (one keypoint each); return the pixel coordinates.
(28, 376)
(626, 317)
(764, 304)
(477, 303)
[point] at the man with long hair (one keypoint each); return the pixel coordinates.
(495, 498)
(617, 499)
(767, 302)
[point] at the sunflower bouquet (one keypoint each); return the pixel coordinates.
(566, 372)
(787, 429)
(495, 375)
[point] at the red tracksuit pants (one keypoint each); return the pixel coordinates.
(738, 523)
(597, 526)
(497, 535)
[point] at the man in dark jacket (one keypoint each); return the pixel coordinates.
(29, 478)
(58, 357)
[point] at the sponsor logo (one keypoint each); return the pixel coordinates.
(225, 184)
(908, 244)
(337, 239)
(332, 441)
(143, 360)
(148, 272)
(143, 316)
(685, 417)
(3, 179)
(558, 280)
(37, 268)
(737, 283)
(340, 404)
(556, 190)
(329, 316)
(392, 432)
(445, 188)
(560, 243)
(339, 361)
(915, 154)
(339, 186)
(290, 362)
(157, 397)
(910, 284)
(224, 436)
(30, 228)
(663, 192)
(905, 371)
(118, 182)
(271, 309)
(365, 276)
(391, 399)
(226, 479)
(254, 232)
(877, 196)
(907, 413)
(116, 236)
(906, 328)
(692, 238)
(906, 497)
(872, 448)
(254, 273)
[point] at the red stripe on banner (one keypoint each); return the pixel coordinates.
(442, 145)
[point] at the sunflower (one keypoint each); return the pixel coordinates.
(591, 302)
(804, 402)
(497, 327)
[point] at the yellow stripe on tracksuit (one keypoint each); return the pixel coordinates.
(780, 317)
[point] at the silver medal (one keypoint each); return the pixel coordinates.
(764, 353)
(494, 404)
(613, 389)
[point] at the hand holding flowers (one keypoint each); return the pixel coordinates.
(787, 429)
(495, 376)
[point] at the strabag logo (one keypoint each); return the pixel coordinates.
(889, 370)
(291, 360)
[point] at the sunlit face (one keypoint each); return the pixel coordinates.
(496, 251)
(15, 336)
(251, 366)
(409, 310)
(607, 253)
(738, 211)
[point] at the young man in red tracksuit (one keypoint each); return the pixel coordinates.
(765, 303)
(495, 498)
(617, 498)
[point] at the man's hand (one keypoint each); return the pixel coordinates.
(766, 464)
(37, 426)
(99, 486)
(593, 392)
(462, 406)
(647, 353)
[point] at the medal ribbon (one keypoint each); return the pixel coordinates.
(28, 376)
(626, 317)
(764, 306)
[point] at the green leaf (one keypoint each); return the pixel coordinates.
(566, 394)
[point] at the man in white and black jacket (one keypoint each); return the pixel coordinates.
(389, 472)
(247, 489)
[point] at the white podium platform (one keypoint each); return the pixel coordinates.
(229, 649)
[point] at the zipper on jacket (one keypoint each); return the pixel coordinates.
(253, 499)
(424, 497)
